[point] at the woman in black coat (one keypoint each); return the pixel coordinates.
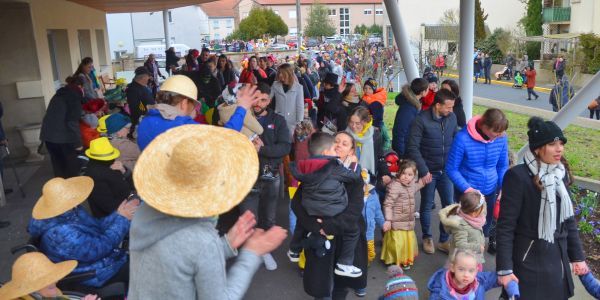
(537, 238)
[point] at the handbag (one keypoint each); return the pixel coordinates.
(593, 105)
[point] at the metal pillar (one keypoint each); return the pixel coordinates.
(166, 26)
(298, 27)
(467, 44)
(574, 107)
(402, 40)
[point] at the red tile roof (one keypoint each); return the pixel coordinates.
(219, 9)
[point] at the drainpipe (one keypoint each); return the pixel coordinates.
(166, 26)
(467, 44)
(574, 107)
(298, 27)
(402, 41)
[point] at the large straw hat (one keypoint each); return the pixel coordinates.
(181, 85)
(101, 149)
(32, 272)
(59, 195)
(196, 171)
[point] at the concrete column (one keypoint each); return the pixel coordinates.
(166, 26)
(467, 44)
(402, 39)
(574, 107)
(299, 26)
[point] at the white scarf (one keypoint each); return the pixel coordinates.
(551, 176)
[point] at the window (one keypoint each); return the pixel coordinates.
(292, 14)
(390, 36)
(368, 11)
(344, 21)
(170, 17)
(276, 12)
(379, 12)
(331, 12)
(229, 23)
(215, 24)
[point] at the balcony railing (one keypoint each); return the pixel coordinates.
(557, 14)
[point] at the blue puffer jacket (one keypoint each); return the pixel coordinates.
(438, 286)
(476, 163)
(94, 243)
(592, 286)
(409, 107)
(372, 214)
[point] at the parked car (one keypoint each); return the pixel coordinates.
(333, 40)
(278, 47)
(375, 39)
(293, 43)
(312, 42)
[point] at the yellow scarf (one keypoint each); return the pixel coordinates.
(362, 133)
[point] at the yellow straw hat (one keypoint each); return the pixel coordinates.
(32, 272)
(59, 195)
(181, 85)
(101, 149)
(196, 171)
(102, 124)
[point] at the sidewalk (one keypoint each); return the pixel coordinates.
(505, 83)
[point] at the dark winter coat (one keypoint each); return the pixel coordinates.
(228, 76)
(76, 235)
(110, 188)
(323, 179)
(138, 99)
(330, 107)
(172, 60)
(61, 122)
(542, 268)
(271, 76)
(319, 272)
(276, 139)
(430, 141)
(459, 111)
(409, 107)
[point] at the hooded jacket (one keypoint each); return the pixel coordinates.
(76, 235)
(61, 122)
(372, 214)
(409, 107)
(439, 289)
(399, 204)
(474, 162)
(184, 258)
(111, 187)
(376, 103)
(323, 179)
(464, 236)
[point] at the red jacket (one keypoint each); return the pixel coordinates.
(440, 62)
(427, 101)
(530, 78)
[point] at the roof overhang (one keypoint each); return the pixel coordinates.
(550, 37)
(128, 6)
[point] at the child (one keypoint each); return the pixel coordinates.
(591, 284)
(399, 286)
(518, 80)
(465, 222)
(251, 127)
(117, 129)
(324, 196)
(400, 243)
(461, 280)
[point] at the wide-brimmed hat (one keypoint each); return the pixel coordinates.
(32, 272)
(196, 171)
(102, 123)
(181, 85)
(60, 195)
(102, 149)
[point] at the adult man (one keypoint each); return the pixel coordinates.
(272, 145)
(139, 96)
(431, 136)
(203, 58)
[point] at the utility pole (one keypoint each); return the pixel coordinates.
(166, 26)
(298, 27)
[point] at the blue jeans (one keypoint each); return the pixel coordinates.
(445, 188)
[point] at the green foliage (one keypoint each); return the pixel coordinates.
(376, 29)
(366, 30)
(590, 46)
(259, 23)
(585, 227)
(480, 17)
(318, 23)
(532, 22)
(497, 45)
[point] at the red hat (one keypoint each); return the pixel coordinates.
(93, 105)
(392, 161)
(195, 53)
(271, 58)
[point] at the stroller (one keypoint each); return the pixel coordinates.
(504, 74)
(518, 80)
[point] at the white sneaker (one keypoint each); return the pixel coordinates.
(348, 271)
(269, 261)
(417, 215)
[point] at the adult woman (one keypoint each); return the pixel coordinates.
(171, 61)
(458, 110)
(60, 128)
(478, 160)
(253, 74)
(65, 231)
(288, 96)
(152, 67)
(594, 107)
(350, 99)
(537, 232)
(225, 67)
(319, 280)
(369, 144)
(531, 74)
(85, 73)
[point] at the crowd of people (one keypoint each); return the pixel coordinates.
(159, 193)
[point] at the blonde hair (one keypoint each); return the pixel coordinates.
(463, 252)
(288, 70)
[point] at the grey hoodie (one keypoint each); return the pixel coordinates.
(184, 258)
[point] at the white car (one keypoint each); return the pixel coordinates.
(278, 47)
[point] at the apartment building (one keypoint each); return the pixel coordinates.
(344, 14)
(571, 16)
(220, 18)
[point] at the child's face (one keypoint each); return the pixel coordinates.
(407, 176)
(464, 270)
(368, 90)
(330, 151)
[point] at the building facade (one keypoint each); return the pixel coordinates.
(220, 18)
(344, 15)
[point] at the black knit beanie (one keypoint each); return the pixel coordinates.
(371, 83)
(543, 132)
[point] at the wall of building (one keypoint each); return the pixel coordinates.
(220, 28)
(585, 16)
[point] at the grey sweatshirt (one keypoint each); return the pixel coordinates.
(183, 258)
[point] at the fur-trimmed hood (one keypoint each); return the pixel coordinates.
(408, 96)
(450, 221)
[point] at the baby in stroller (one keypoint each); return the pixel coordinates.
(504, 74)
(518, 80)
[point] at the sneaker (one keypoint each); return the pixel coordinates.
(360, 292)
(293, 256)
(536, 97)
(444, 247)
(428, 246)
(417, 215)
(269, 261)
(348, 271)
(405, 267)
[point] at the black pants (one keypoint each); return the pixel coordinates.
(64, 159)
(262, 202)
(530, 92)
(597, 114)
(349, 241)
